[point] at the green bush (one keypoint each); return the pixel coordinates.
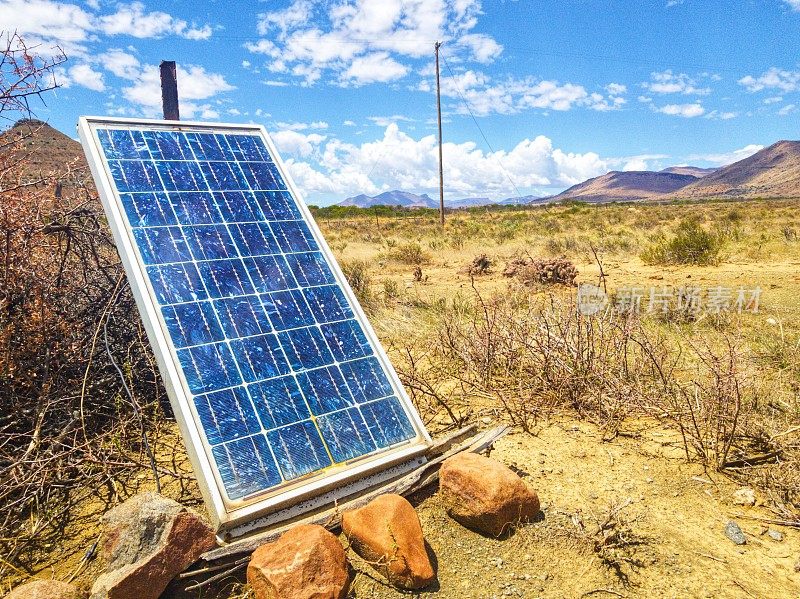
(691, 244)
(410, 253)
(357, 274)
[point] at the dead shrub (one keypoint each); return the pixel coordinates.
(480, 265)
(542, 271)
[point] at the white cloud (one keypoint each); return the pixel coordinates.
(773, 78)
(330, 167)
(729, 157)
(121, 64)
(301, 126)
(793, 4)
(372, 68)
(75, 28)
(483, 48)
(364, 41)
(132, 19)
(642, 162)
(385, 121)
(86, 76)
(773, 100)
(616, 89)
(485, 96)
(299, 144)
(667, 82)
(685, 110)
(349, 123)
(788, 109)
(194, 83)
(721, 115)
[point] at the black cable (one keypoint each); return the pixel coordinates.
(474, 120)
(136, 408)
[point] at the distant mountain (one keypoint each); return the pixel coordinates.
(773, 172)
(524, 201)
(392, 198)
(469, 203)
(625, 186)
(690, 170)
(411, 200)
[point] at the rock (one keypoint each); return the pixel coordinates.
(744, 496)
(734, 533)
(775, 535)
(306, 562)
(45, 589)
(146, 542)
(483, 494)
(387, 532)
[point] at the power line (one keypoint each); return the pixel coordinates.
(474, 120)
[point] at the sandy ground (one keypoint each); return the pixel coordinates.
(676, 512)
(676, 517)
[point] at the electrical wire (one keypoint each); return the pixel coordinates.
(474, 120)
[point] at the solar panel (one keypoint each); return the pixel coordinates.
(279, 383)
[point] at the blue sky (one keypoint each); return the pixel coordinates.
(537, 95)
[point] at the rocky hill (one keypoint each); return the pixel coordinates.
(774, 172)
(32, 150)
(625, 186)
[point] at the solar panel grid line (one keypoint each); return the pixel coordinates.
(265, 468)
(230, 264)
(241, 376)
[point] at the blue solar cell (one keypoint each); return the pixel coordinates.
(254, 239)
(181, 176)
(346, 340)
(209, 367)
(148, 209)
(176, 283)
(226, 278)
(260, 176)
(278, 402)
(310, 269)
(259, 357)
(162, 245)
(242, 316)
(246, 466)
(387, 422)
(298, 449)
(346, 434)
(270, 273)
(366, 379)
(226, 415)
(327, 303)
(123, 144)
(325, 390)
(293, 236)
(305, 348)
(237, 207)
(210, 242)
(287, 309)
(283, 378)
(195, 208)
(193, 323)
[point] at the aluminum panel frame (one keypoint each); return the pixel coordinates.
(231, 515)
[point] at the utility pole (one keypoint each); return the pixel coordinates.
(436, 46)
(169, 90)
